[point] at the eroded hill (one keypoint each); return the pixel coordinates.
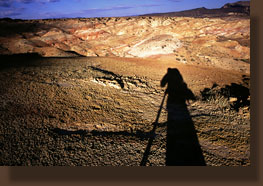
(224, 43)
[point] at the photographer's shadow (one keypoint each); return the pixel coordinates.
(182, 146)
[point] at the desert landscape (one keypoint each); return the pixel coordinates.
(87, 91)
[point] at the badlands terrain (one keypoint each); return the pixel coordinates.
(87, 91)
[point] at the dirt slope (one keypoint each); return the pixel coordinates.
(99, 111)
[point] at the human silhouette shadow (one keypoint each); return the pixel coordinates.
(182, 146)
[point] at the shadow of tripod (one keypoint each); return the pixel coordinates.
(150, 141)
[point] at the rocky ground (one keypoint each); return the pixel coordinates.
(99, 111)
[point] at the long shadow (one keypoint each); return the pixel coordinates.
(182, 146)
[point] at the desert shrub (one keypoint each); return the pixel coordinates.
(234, 95)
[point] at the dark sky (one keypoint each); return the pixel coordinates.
(42, 9)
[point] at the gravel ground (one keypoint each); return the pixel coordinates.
(76, 112)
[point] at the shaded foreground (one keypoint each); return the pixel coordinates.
(100, 111)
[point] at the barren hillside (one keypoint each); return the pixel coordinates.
(224, 43)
